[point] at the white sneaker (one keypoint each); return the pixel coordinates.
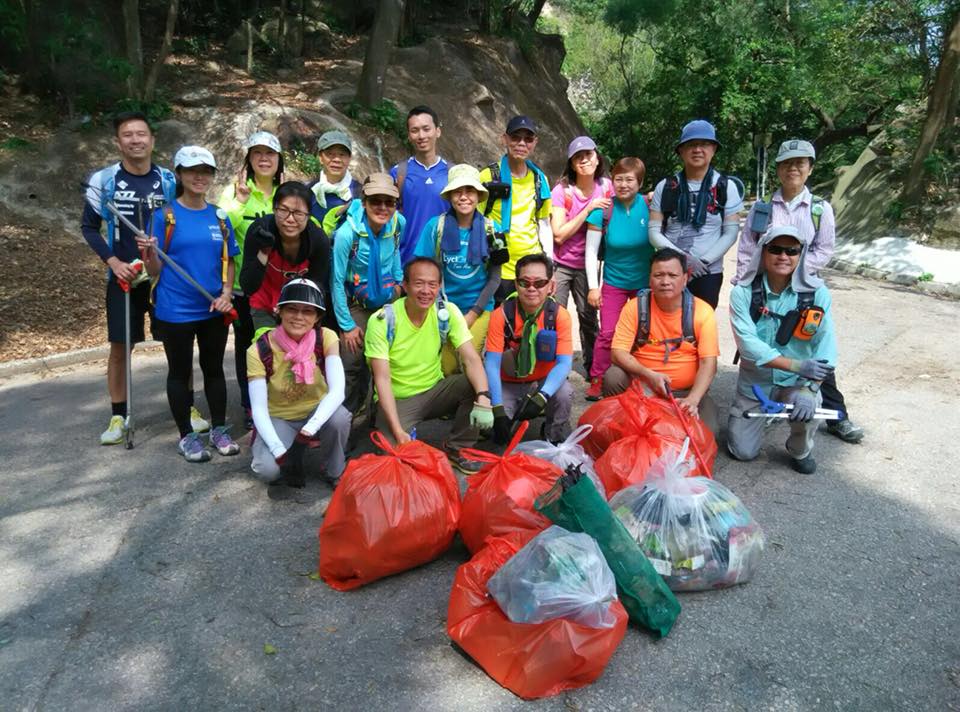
(113, 435)
(197, 422)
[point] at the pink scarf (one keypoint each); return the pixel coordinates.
(301, 354)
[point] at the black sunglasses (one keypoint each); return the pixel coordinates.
(781, 250)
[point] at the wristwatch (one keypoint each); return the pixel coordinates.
(483, 393)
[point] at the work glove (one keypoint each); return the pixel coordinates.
(804, 405)
(261, 240)
(291, 462)
(533, 406)
(814, 370)
(696, 266)
(502, 425)
(481, 417)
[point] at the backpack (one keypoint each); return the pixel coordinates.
(494, 169)
(495, 240)
(550, 310)
(443, 321)
(265, 352)
(718, 195)
(170, 223)
(643, 324)
(763, 209)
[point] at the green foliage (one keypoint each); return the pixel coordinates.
(894, 211)
(303, 158)
(925, 277)
(156, 110)
(193, 45)
(15, 143)
(384, 116)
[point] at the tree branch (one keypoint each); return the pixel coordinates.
(150, 87)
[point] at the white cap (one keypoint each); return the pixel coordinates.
(264, 138)
(190, 156)
(796, 148)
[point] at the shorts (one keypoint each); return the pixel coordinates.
(116, 313)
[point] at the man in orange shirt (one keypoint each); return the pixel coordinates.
(667, 338)
(529, 355)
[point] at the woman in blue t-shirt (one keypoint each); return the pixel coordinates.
(626, 261)
(470, 254)
(198, 238)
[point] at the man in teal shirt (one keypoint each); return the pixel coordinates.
(788, 362)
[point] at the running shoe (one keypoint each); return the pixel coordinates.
(197, 421)
(594, 390)
(113, 435)
(221, 440)
(192, 449)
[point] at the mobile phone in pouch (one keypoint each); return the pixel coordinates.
(546, 345)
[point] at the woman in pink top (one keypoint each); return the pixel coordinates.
(580, 200)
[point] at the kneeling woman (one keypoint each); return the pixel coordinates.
(296, 390)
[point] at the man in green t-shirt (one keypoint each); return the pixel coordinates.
(402, 345)
(519, 199)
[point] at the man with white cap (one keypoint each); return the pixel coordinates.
(697, 211)
(470, 253)
(780, 313)
(794, 204)
(335, 186)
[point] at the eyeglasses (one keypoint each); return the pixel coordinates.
(382, 202)
(532, 283)
(522, 138)
(781, 250)
(283, 213)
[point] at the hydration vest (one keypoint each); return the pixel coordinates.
(643, 324)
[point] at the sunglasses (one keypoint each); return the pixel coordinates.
(781, 250)
(382, 202)
(532, 283)
(522, 138)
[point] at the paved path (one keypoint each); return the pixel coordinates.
(136, 581)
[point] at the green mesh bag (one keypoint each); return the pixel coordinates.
(574, 504)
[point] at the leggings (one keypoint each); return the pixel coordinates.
(242, 338)
(177, 338)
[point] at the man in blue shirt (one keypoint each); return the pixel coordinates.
(420, 178)
(786, 342)
(137, 187)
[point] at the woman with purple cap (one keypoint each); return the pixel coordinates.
(249, 197)
(697, 211)
(580, 201)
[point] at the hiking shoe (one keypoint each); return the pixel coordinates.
(594, 389)
(220, 439)
(197, 422)
(846, 431)
(805, 466)
(192, 449)
(113, 435)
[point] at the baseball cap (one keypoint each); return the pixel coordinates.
(380, 184)
(698, 130)
(580, 143)
(518, 123)
(783, 231)
(334, 138)
(795, 148)
(190, 156)
(264, 138)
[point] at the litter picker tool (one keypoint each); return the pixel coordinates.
(686, 427)
(775, 409)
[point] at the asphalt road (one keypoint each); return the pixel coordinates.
(132, 580)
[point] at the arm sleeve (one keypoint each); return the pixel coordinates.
(656, 237)
(751, 346)
(90, 223)
(745, 247)
(261, 416)
(821, 250)
(591, 259)
(491, 364)
(338, 291)
(489, 289)
(545, 233)
(728, 236)
(336, 392)
(558, 374)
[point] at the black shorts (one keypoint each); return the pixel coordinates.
(116, 312)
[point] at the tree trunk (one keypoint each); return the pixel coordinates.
(938, 107)
(382, 40)
(534, 14)
(150, 88)
(249, 46)
(131, 30)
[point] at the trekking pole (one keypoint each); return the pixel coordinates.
(775, 409)
(686, 427)
(137, 266)
(228, 317)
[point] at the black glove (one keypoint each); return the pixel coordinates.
(533, 406)
(261, 239)
(292, 466)
(502, 425)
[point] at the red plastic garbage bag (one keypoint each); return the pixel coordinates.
(500, 497)
(648, 428)
(530, 660)
(390, 513)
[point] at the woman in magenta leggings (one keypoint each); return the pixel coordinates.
(626, 261)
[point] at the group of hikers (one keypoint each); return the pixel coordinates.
(445, 288)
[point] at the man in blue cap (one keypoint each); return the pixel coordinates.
(697, 211)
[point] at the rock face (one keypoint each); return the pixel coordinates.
(946, 229)
(863, 195)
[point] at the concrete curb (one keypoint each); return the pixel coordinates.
(70, 358)
(940, 289)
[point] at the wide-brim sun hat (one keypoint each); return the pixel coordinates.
(796, 148)
(463, 175)
(191, 156)
(265, 139)
(380, 184)
(698, 130)
(301, 291)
